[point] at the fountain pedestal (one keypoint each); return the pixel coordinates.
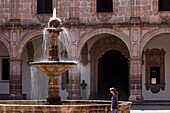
(53, 69)
(53, 91)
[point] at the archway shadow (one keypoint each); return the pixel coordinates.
(113, 71)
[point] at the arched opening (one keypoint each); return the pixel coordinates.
(113, 71)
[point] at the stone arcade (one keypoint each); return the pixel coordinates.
(132, 33)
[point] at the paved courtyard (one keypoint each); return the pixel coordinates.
(155, 108)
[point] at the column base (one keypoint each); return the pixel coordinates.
(54, 100)
(78, 97)
(73, 91)
(17, 96)
(93, 96)
(136, 98)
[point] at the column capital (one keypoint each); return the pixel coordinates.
(15, 60)
(135, 59)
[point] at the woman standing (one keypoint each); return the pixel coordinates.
(114, 100)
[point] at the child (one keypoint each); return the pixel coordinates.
(114, 99)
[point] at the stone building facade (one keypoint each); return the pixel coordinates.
(118, 43)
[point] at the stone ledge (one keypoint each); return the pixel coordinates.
(69, 106)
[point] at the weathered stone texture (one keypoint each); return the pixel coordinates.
(135, 22)
(84, 9)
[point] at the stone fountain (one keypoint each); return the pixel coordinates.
(54, 68)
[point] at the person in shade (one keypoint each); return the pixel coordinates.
(114, 100)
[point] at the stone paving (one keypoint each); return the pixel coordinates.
(148, 108)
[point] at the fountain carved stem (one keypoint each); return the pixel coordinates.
(53, 50)
(53, 87)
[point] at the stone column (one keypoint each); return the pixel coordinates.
(74, 83)
(135, 66)
(136, 80)
(15, 85)
(93, 85)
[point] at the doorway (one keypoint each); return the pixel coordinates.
(113, 71)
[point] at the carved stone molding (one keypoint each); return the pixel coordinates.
(43, 18)
(110, 43)
(164, 16)
(135, 20)
(104, 16)
(155, 88)
(155, 58)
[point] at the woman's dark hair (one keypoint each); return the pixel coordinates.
(114, 90)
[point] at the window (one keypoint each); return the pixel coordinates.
(164, 5)
(155, 69)
(44, 6)
(104, 6)
(5, 68)
(155, 75)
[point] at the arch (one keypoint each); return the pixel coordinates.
(115, 44)
(4, 40)
(96, 51)
(151, 34)
(92, 33)
(27, 38)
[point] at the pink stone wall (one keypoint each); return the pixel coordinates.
(84, 9)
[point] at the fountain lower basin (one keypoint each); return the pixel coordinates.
(69, 106)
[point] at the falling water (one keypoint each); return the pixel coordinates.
(36, 84)
(45, 46)
(64, 44)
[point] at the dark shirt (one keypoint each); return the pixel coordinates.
(114, 100)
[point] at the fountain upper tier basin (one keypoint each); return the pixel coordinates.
(54, 67)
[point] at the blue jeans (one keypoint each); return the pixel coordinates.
(114, 111)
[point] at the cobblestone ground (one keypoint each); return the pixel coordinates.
(150, 108)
